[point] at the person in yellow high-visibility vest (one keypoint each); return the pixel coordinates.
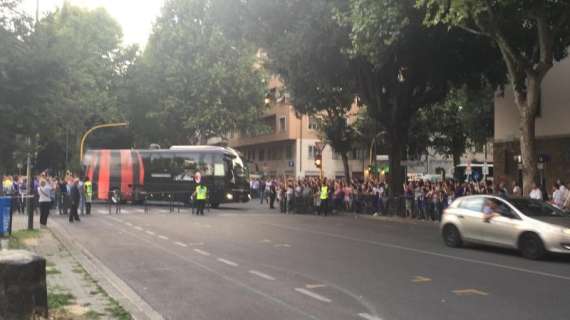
(200, 195)
(88, 190)
(324, 197)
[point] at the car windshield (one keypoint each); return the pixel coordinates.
(537, 208)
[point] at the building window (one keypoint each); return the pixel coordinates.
(261, 154)
(282, 124)
(311, 152)
(289, 151)
(313, 124)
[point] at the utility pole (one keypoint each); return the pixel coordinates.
(29, 185)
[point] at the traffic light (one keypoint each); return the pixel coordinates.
(318, 161)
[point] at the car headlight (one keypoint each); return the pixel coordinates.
(230, 196)
(566, 231)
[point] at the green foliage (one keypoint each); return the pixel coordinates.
(57, 78)
(59, 300)
(198, 82)
(305, 47)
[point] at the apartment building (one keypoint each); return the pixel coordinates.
(288, 149)
(552, 130)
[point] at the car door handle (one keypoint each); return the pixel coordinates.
(460, 216)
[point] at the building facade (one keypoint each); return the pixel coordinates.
(289, 148)
(552, 130)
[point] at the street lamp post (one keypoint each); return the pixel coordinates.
(88, 132)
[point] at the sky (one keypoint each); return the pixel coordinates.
(135, 16)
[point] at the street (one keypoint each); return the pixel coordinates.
(245, 262)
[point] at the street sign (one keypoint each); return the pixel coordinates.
(382, 157)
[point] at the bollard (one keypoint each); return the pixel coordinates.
(23, 290)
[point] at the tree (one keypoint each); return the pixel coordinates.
(305, 48)
(201, 82)
(464, 120)
(405, 66)
(530, 35)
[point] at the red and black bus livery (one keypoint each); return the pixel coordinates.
(168, 173)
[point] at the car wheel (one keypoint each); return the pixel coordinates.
(531, 246)
(452, 236)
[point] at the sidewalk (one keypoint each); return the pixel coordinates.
(72, 293)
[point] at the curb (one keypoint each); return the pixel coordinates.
(109, 281)
(400, 220)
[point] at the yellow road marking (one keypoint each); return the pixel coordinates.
(420, 279)
(470, 292)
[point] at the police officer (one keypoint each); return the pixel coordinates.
(88, 187)
(324, 207)
(200, 195)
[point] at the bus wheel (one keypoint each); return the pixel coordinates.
(215, 205)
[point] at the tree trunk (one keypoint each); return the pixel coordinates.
(456, 161)
(528, 149)
(346, 168)
(527, 103)
(396, 154)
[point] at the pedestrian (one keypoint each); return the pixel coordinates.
(74, 197)
(535, 193)
(200, 194)
(272, 195)
(261, 191)
(517, 191)
(81, 197)
(324, 206)
(88, 191)
(44, 193)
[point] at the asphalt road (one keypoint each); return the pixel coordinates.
(249, 263)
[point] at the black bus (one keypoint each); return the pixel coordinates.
(163, 174)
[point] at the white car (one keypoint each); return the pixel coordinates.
(531, 226)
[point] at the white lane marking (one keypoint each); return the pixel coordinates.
(139, 210)
(282, 245)
(129, 224)
(150, 232)
(228, 262)
(202, 252)
(163, 237)
(195, 244)
(125, 211)
(261, 275)
(101, 211)
(231, 280)
(163, 211)
(265, 241)
(315, 286)
(313, 295)
(425, 252)
(180, 244)
(368, 317)
(139, 228)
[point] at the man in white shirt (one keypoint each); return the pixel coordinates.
(558, 196)
(535, 193)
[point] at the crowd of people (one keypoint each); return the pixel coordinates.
(70, 195)
(421, 199)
